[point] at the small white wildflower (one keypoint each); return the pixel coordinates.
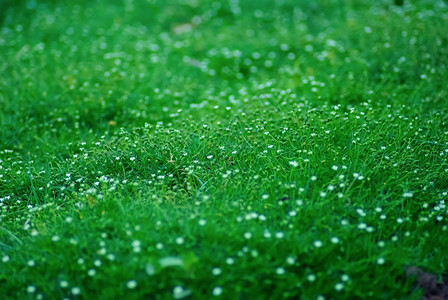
(267, 234)
(131, 284)
(180, 293)
(334, 240)
(5, 258)
(216, 271)
(380, 261)
(339, 286)
(361, 212)
(280, 271)
(317, 244)
(408, 195)
(279, 234)
(217, 291)
(230, 261)
(76, 291)
(247, 235)
(290, 260)
(294, 163)
(31, 289)
(311, 277)
(63, 284)
(180, 240)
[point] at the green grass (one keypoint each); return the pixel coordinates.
(229, 150)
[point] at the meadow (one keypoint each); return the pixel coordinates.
(187, 149)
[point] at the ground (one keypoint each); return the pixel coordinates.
(223, 149)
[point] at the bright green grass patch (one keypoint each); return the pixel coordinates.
(238, 150)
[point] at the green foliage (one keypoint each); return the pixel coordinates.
(228, 149)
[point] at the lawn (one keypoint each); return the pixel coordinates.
(233, 149)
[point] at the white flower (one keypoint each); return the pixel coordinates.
(380, 261)
(63, 284)
(317, 244)
(216, 271)
(290, 260)
(339, 286)
(311, 277)
(131, 284)
(76, 291)
(294, 163)
(280, 271)
(408, 195)
(31, 289)
(180, 293)
(334, 240)
(217, 291)
(279, 234)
